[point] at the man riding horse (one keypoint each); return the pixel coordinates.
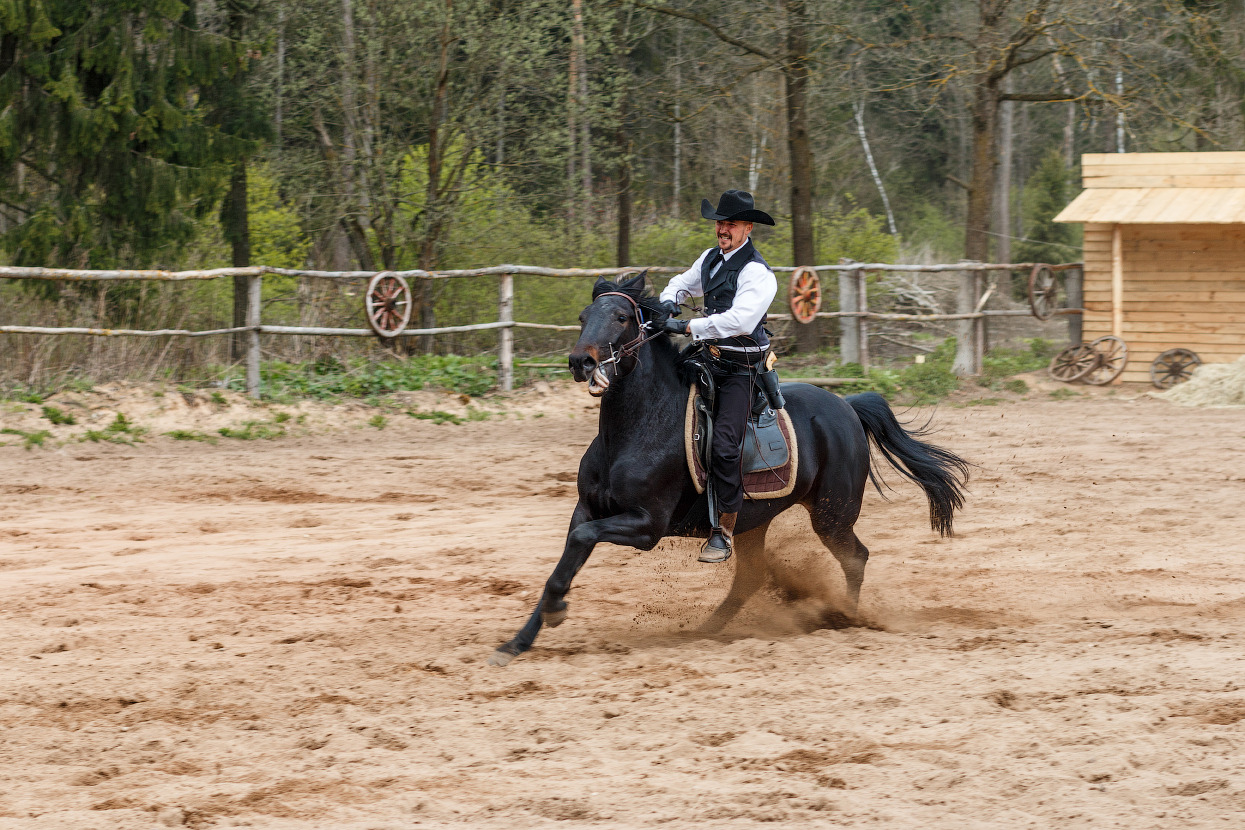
(738, 287)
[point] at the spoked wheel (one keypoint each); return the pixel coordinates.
(1172, 367)
(1074, 363)
(804, 295)
(388, 304)
(1112, 358)
(1043, 292)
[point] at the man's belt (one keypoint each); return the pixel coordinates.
(737, 355)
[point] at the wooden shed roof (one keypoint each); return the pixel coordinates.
(1160, 188)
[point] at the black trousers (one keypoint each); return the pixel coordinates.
(730, 420)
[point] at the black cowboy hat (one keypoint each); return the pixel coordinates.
(735, 204)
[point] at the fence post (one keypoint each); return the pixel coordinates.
(862, 323)
(849, 331)
(1073, 284)
(966, 361)
(505, 352)
(254, 298)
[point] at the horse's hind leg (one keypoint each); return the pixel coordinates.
(840, 539)
(750, 574)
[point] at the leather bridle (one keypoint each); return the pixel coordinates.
(631, 347)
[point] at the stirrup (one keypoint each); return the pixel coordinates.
(717, 550)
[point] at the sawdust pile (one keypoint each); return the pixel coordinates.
(1215, 384)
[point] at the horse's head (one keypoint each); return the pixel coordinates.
(612, 321)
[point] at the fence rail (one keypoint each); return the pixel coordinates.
(970, 313)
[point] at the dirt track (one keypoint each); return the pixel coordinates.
(292, 634)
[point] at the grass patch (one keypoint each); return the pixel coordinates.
(1064, 394)
(253, 430)
(29, 439)
(218, 399)
(57, 417)
(191, 435)
(983, 402)
(436, 416)
(377, 421)
(999, 365)
(330, 378)
(120, 431)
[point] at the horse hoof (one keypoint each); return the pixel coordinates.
(500, 658)
(553, 619)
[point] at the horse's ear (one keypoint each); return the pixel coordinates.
(602, 285)
(636, 282)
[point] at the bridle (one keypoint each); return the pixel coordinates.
(631, 347)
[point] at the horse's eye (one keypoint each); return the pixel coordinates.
(622, 318)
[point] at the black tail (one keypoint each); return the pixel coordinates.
(941, 474)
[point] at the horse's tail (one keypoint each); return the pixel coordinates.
(941, 474)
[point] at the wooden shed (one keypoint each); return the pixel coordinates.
(1164, 253)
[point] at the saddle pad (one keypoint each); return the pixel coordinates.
(771, 483)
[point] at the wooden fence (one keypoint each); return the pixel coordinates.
(853, 303)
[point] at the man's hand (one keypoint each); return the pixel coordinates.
(672, 308)
(674, 326)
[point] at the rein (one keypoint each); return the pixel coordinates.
(631, 347)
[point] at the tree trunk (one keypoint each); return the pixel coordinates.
(623, 140)
(585, 123)
(677, 166)
(434, 215)
(277, 116)
(985, 119)
(234, 222)
(1003, 181)
(572, 133)
(796, 76)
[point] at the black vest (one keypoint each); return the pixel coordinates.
(720, 290)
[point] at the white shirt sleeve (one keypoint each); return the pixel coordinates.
(688, 282)
(755, 291)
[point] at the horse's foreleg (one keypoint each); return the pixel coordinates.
(635, 529)
(750, 573)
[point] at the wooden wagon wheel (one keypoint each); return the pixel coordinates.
(1112, 357)
(1172, 367)
(388, 304)
(1043, 292)
(1074, 363)
(804, 295)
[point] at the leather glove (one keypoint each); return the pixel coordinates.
(674, 326)
(672, 308)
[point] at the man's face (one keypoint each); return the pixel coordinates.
(732, 234)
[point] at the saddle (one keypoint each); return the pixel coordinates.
(770, 453)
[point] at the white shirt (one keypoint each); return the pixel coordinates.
(754, 292)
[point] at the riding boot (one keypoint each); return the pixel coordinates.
(721, 542)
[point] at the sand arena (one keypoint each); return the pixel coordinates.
(292, 634)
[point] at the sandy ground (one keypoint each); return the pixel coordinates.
(292, 634)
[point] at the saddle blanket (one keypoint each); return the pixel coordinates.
(770, 453)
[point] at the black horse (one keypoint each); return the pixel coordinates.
(634, 486)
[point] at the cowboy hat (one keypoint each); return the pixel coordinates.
(735, 204)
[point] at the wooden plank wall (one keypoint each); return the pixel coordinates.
(1184, 286)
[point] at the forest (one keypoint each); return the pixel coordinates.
(433, 134)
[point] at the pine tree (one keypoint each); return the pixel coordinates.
(106, 153)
